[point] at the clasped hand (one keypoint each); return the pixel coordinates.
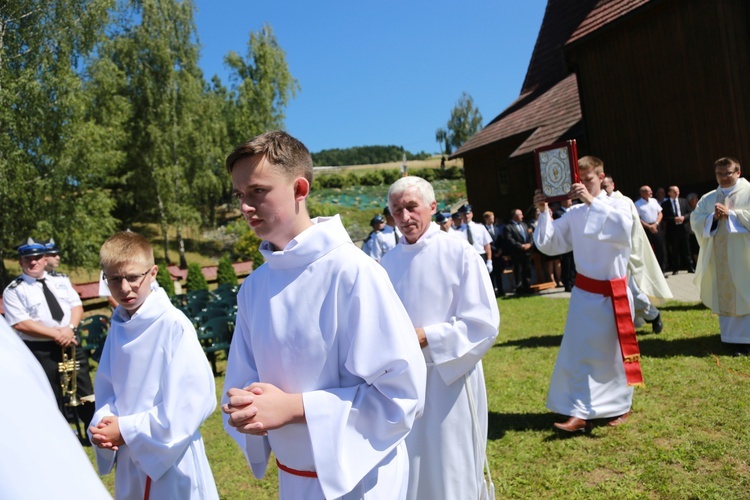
(106, 434)
(721, 211)
(65, 336)
(262, 407)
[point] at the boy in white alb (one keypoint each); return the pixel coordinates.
(598, 362)
(324, 368)
(154, 386)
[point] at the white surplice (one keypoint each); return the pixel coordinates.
(321, 318)
(41, 457)
(724, 259)
(154, 376)
(589, 377)
(446, 290)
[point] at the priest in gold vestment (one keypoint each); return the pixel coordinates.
(721, 222)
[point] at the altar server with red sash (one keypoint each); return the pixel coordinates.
(598, 362)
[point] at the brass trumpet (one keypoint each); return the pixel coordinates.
(68, 370)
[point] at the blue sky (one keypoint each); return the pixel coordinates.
(381, 72)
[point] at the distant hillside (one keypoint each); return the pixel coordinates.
(364, 155)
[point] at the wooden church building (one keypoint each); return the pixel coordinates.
(658, 89)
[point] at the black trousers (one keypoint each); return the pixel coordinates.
(657, 243)
(49, 354)
(679, 248)
(522, 270)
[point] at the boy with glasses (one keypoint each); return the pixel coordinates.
(154, 387)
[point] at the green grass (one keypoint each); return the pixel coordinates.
(688, 435)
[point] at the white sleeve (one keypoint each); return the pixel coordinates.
(553, 237)
(353, 428)
(457, 345)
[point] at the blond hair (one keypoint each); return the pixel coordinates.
(591, 162)
(280, 149)
(126, 247)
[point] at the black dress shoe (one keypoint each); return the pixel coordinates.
(575, 424)
(691, 270)
(741, 350)
(656, 324)
(674, 272)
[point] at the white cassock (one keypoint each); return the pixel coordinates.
(446, 290)
(41, 457)
(589, 377)
(724, 259)
(321, 318)
(154, 376)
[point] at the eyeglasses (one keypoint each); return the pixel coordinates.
(726, 174)
(132, 279)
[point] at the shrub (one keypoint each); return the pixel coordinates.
(332, 181)
(317, 209)
(352, 179)
(453, 173)
(372, 178)
(225, 273)
(247, 249)
(165, 280)
(427, 174)
(195, 279)
(391, 175)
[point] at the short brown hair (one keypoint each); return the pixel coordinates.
(280, 149)
(727, 162)
(591, 162)
(126, 247)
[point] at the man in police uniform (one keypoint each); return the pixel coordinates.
(62, 283)
(476, 234)
(45, 311)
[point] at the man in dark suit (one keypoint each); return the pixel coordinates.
(567, 265)
(496, 244)
(674, 210)
(520, 243)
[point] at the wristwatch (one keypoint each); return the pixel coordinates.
(72, 327)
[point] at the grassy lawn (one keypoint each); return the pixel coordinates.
(688, 436)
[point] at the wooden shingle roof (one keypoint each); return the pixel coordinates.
(545, 119)
(605, 12)
(548, 106)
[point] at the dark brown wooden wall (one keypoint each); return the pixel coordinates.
(666, 91)
(495, 182)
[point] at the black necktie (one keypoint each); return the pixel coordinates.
(54, 305)
(395, 235)
(469, 235)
